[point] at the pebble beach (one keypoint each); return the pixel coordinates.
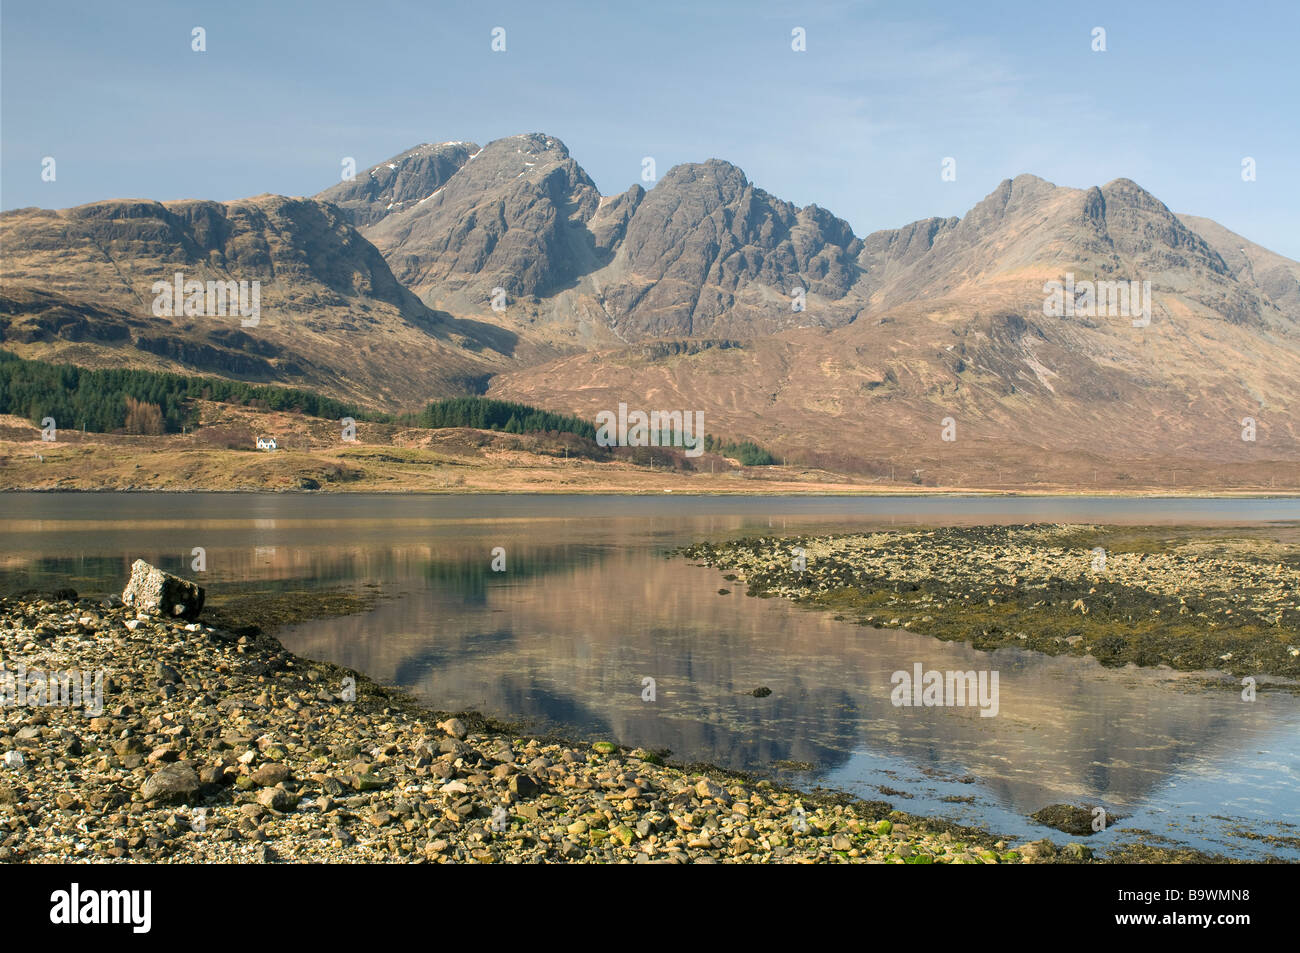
(217, 746)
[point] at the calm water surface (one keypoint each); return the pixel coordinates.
(589, 606)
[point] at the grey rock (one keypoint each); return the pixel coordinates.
(523, 786)
(151, 590)
(454, 727)
(175, 781)
(277, 799)
(270, 774)
(708, 788)
(1036, 850)
(168, 674)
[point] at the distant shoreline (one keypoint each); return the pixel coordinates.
(747, 492)
(461, 460)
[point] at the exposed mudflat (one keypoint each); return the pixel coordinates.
(1192, 600)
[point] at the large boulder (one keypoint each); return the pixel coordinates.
(172, 782)
(151, 590)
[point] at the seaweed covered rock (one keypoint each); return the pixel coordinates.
(1072, 819)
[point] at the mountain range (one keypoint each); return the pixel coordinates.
(454, 268)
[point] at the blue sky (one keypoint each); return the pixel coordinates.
(859, 123)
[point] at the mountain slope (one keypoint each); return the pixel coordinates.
(1034, 400)
(513, 217)
(1271, 274)
(708, 253)
(78, 284)
(1028, 227)
(400, 183)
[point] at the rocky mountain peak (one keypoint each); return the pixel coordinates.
(729, 179)
(513, 216)
(398, 183)
(534, 144)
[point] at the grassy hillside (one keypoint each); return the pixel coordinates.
(156, 403)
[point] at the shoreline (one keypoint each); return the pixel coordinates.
(938, 492)
(1225, 609)
(217, 746)
(456, 461)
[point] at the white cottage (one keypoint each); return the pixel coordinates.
(266, 443)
